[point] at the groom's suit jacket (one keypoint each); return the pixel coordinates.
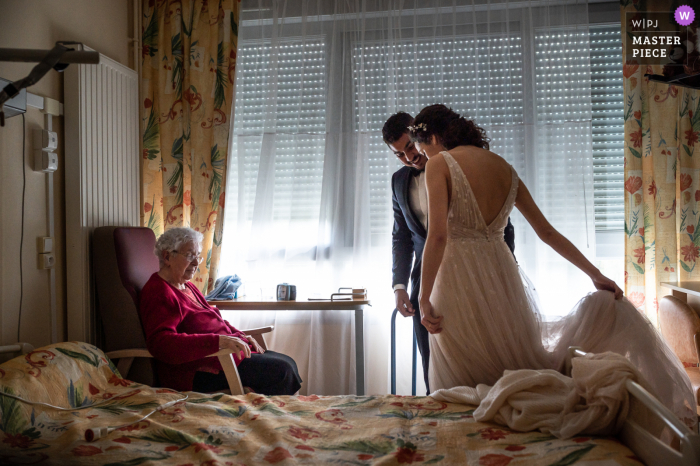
(408, 235)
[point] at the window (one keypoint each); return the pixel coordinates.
(608, 127)
(481, 79)
(297, 158)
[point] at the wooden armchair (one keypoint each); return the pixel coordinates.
(680, 327)
(126, 358)
(123, 261)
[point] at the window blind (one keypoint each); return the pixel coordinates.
(608, 127)
(479, 78)
(268, 106)
(482, 80)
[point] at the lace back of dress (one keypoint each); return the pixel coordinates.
(464, 212)
(465, 219)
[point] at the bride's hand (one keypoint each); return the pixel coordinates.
(604, 283)
(428, 319)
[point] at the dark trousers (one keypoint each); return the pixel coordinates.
(269, 374)
(423, 344)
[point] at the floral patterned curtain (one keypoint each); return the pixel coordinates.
(662, 176)
(189, 58)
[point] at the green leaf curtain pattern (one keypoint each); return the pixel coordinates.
(662, 175)
(188, 63)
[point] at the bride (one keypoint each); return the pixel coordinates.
(480, 316)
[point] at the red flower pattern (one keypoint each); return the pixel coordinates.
(18, 440)
(636, 138)
(690, 229)
(205, 447)
(277, 455)
(633, 184)
(690, 253)
(302, 433)
(692, 137)
(636, 298)
(494, 460)
(493, 434)
(629, 68)
(640, 255)
(408, 455)
(652, 189)
(86, 450)
(686, 181)
(118, 381)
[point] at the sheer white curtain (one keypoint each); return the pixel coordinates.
(308, 191)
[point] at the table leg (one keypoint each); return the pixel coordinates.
(359, 352)
(393, 352)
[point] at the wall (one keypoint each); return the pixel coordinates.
(106, 26)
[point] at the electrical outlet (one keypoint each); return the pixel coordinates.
(46, 261)
(45, 244)
(45, 161)
(45, 140)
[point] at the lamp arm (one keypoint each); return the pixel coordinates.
(38, 72)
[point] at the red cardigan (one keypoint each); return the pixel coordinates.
(179, 334)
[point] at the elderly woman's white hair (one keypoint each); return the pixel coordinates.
(172, 239)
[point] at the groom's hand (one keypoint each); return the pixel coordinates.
(403, 303)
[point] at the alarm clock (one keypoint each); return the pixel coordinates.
(286, 292)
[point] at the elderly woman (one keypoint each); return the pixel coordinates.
(182, 329)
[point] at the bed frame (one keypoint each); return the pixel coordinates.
(648, 447)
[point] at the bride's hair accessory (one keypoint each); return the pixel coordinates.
(414, 129)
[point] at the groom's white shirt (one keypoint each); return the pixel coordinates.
(418, 201)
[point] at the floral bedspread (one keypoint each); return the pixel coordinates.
(217, 429)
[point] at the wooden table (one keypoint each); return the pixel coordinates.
(357, 305)
(688, 292)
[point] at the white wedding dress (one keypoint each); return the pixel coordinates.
(491, 322)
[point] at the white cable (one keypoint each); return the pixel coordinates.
(95, 434)
(58, 407)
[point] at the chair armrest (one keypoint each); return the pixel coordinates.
(126, 358)
(259, 331)
(129, 353)
(229, 366)
(221, 352)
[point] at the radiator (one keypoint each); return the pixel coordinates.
(102, 173)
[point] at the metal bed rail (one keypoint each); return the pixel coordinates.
(652, 450)
(393, 357)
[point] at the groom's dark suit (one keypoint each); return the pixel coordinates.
(408, 241)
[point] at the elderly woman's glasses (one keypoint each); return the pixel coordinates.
(191, 257)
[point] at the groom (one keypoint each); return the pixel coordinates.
(410, 203)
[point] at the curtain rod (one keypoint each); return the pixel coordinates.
(420, 11)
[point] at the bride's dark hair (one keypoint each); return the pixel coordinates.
(450, 129)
